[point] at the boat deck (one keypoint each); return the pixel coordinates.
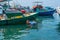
(28, 14)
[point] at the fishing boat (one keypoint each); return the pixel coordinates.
(11, 16)
(43, 11)
(58, 10)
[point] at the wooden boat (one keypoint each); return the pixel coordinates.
(16, 17)
(43, 11)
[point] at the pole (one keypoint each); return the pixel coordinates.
(8, 3)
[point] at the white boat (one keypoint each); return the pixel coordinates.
(58, 10)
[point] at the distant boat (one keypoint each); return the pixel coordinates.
(58, 10)
(43, 11)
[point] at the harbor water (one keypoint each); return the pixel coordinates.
(48, 27)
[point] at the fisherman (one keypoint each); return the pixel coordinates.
(2, 14)
(34, 8)
(1, 11)
(31, 23)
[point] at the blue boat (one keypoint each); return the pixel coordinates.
(49, 12)
(43, 11)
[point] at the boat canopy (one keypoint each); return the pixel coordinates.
(4, 0)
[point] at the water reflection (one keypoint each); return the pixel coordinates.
(58, 28)
(57, 20)
(14, 31)
(56, 17)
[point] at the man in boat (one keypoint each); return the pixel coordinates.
(31, 23)
(1, 11)
(34, 8)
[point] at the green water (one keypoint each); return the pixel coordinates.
(46, 29)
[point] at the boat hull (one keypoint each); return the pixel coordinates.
(49, 13)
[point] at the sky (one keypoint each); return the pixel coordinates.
(52, 3)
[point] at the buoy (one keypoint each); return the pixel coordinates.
(23, 11)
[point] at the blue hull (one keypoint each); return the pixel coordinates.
(48, 13)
